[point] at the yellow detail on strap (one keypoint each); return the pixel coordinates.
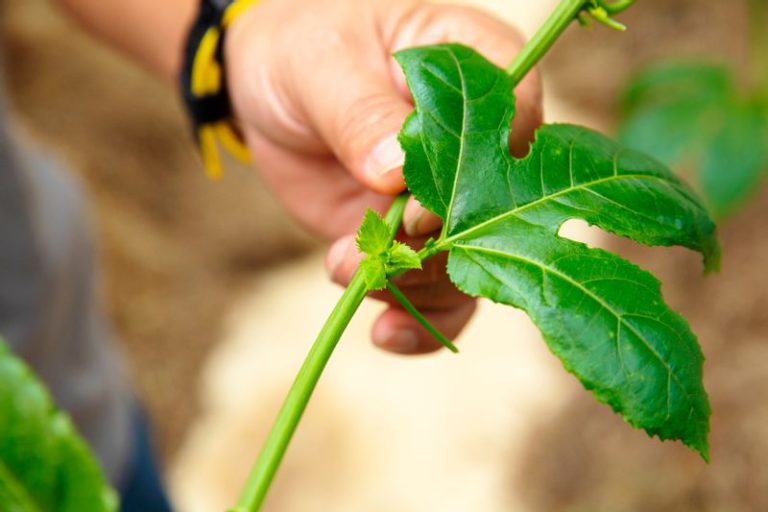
(206, 72)
(207, 79)
(235, 10)
(209, 151)
(233, 141)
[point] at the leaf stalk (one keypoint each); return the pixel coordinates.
(410, 308)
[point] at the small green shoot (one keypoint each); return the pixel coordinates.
(383, 258)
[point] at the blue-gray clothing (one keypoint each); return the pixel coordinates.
(49, 306)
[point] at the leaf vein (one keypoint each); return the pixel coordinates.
(594, 297)
(517, 211)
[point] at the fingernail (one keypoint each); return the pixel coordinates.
(411, 216)
(386, 157)
(403, 341)
(418, 221)
(336, 255)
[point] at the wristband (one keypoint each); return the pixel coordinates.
(204, 86)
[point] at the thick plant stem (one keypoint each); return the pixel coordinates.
(543, 40)
(758, 19)
(296, 402)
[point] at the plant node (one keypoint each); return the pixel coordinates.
(602, 12)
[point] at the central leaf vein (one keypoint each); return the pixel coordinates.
(460, 158)
(515, 212)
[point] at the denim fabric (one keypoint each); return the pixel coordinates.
(142, 489)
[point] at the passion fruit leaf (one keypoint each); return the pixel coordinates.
(603, 317)
(44, 464)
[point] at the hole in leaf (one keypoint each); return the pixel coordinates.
(579, 231)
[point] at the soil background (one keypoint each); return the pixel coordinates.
(176, 249)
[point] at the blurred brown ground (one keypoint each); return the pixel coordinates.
(176, 248)
(175, 245)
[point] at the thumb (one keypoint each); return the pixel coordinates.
(358, 111)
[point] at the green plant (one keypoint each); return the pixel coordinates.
(602, 316)
(694, 116)
(44, 465)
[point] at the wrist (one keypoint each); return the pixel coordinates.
(151, 32)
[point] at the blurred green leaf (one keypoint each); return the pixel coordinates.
(694, 118)
(736, 158)
(678, 82)
(44, 464)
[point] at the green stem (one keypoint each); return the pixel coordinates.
(543, 40)
(409, 307)
(758, 19)
(617, 6)
(296, 402)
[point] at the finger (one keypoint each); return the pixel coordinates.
(318, 192)
(433, 296)
(427, 289)
(342, 260)
(344, 257)
(360, 123)
(528, 116)
(418, 221)
(397, 331)
(441, 294)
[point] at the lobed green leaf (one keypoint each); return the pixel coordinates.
(602, 316)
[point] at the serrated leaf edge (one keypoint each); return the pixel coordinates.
(701, 447)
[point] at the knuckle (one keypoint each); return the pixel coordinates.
(320, 47)
(328, 40)
(358, 123)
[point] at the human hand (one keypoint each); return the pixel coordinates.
(321, 101)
